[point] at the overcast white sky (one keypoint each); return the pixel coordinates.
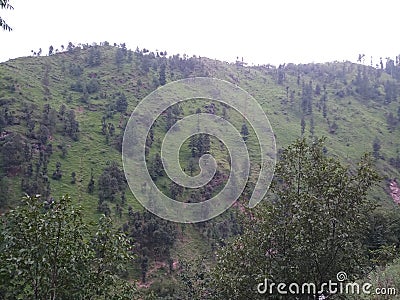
(268, 31)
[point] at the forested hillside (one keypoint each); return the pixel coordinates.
(63, 115)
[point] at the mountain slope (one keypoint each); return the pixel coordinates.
(79, 101)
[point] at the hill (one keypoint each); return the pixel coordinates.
(62, 119)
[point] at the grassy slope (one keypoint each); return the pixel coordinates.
(359, 121)
(91, 151)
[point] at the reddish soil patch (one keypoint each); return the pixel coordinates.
(395, 191)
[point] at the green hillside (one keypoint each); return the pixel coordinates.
(348, 103)
(62, 119)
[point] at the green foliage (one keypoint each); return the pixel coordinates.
(376, 147)
(121, 103)
(57, 174)
(112, 253)
(11, 152)
(91, 184)
(47, 253)
(351, 107)
(156, 168)
(51, 49)
(71, 125)
(78, 86)
(93, 86)
(162, 77)
(75, 70)
(244, 131)
(306, 98)
(5, 4)
(111, 183)
(154, 236)
(313, 226)
(384, 236)
(385, 279)
(303, 125)
(94, 56)
(119, 58)
(200, 143)
(388, 277)
(390, 91)
(73, 178)
(194, 279)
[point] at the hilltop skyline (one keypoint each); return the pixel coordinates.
(275, 32)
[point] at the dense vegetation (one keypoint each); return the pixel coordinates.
(62, 119)
(5, 4)
(47, 253)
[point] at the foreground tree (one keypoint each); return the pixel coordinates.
(5, 4)
(46, 252)
(313, 227)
